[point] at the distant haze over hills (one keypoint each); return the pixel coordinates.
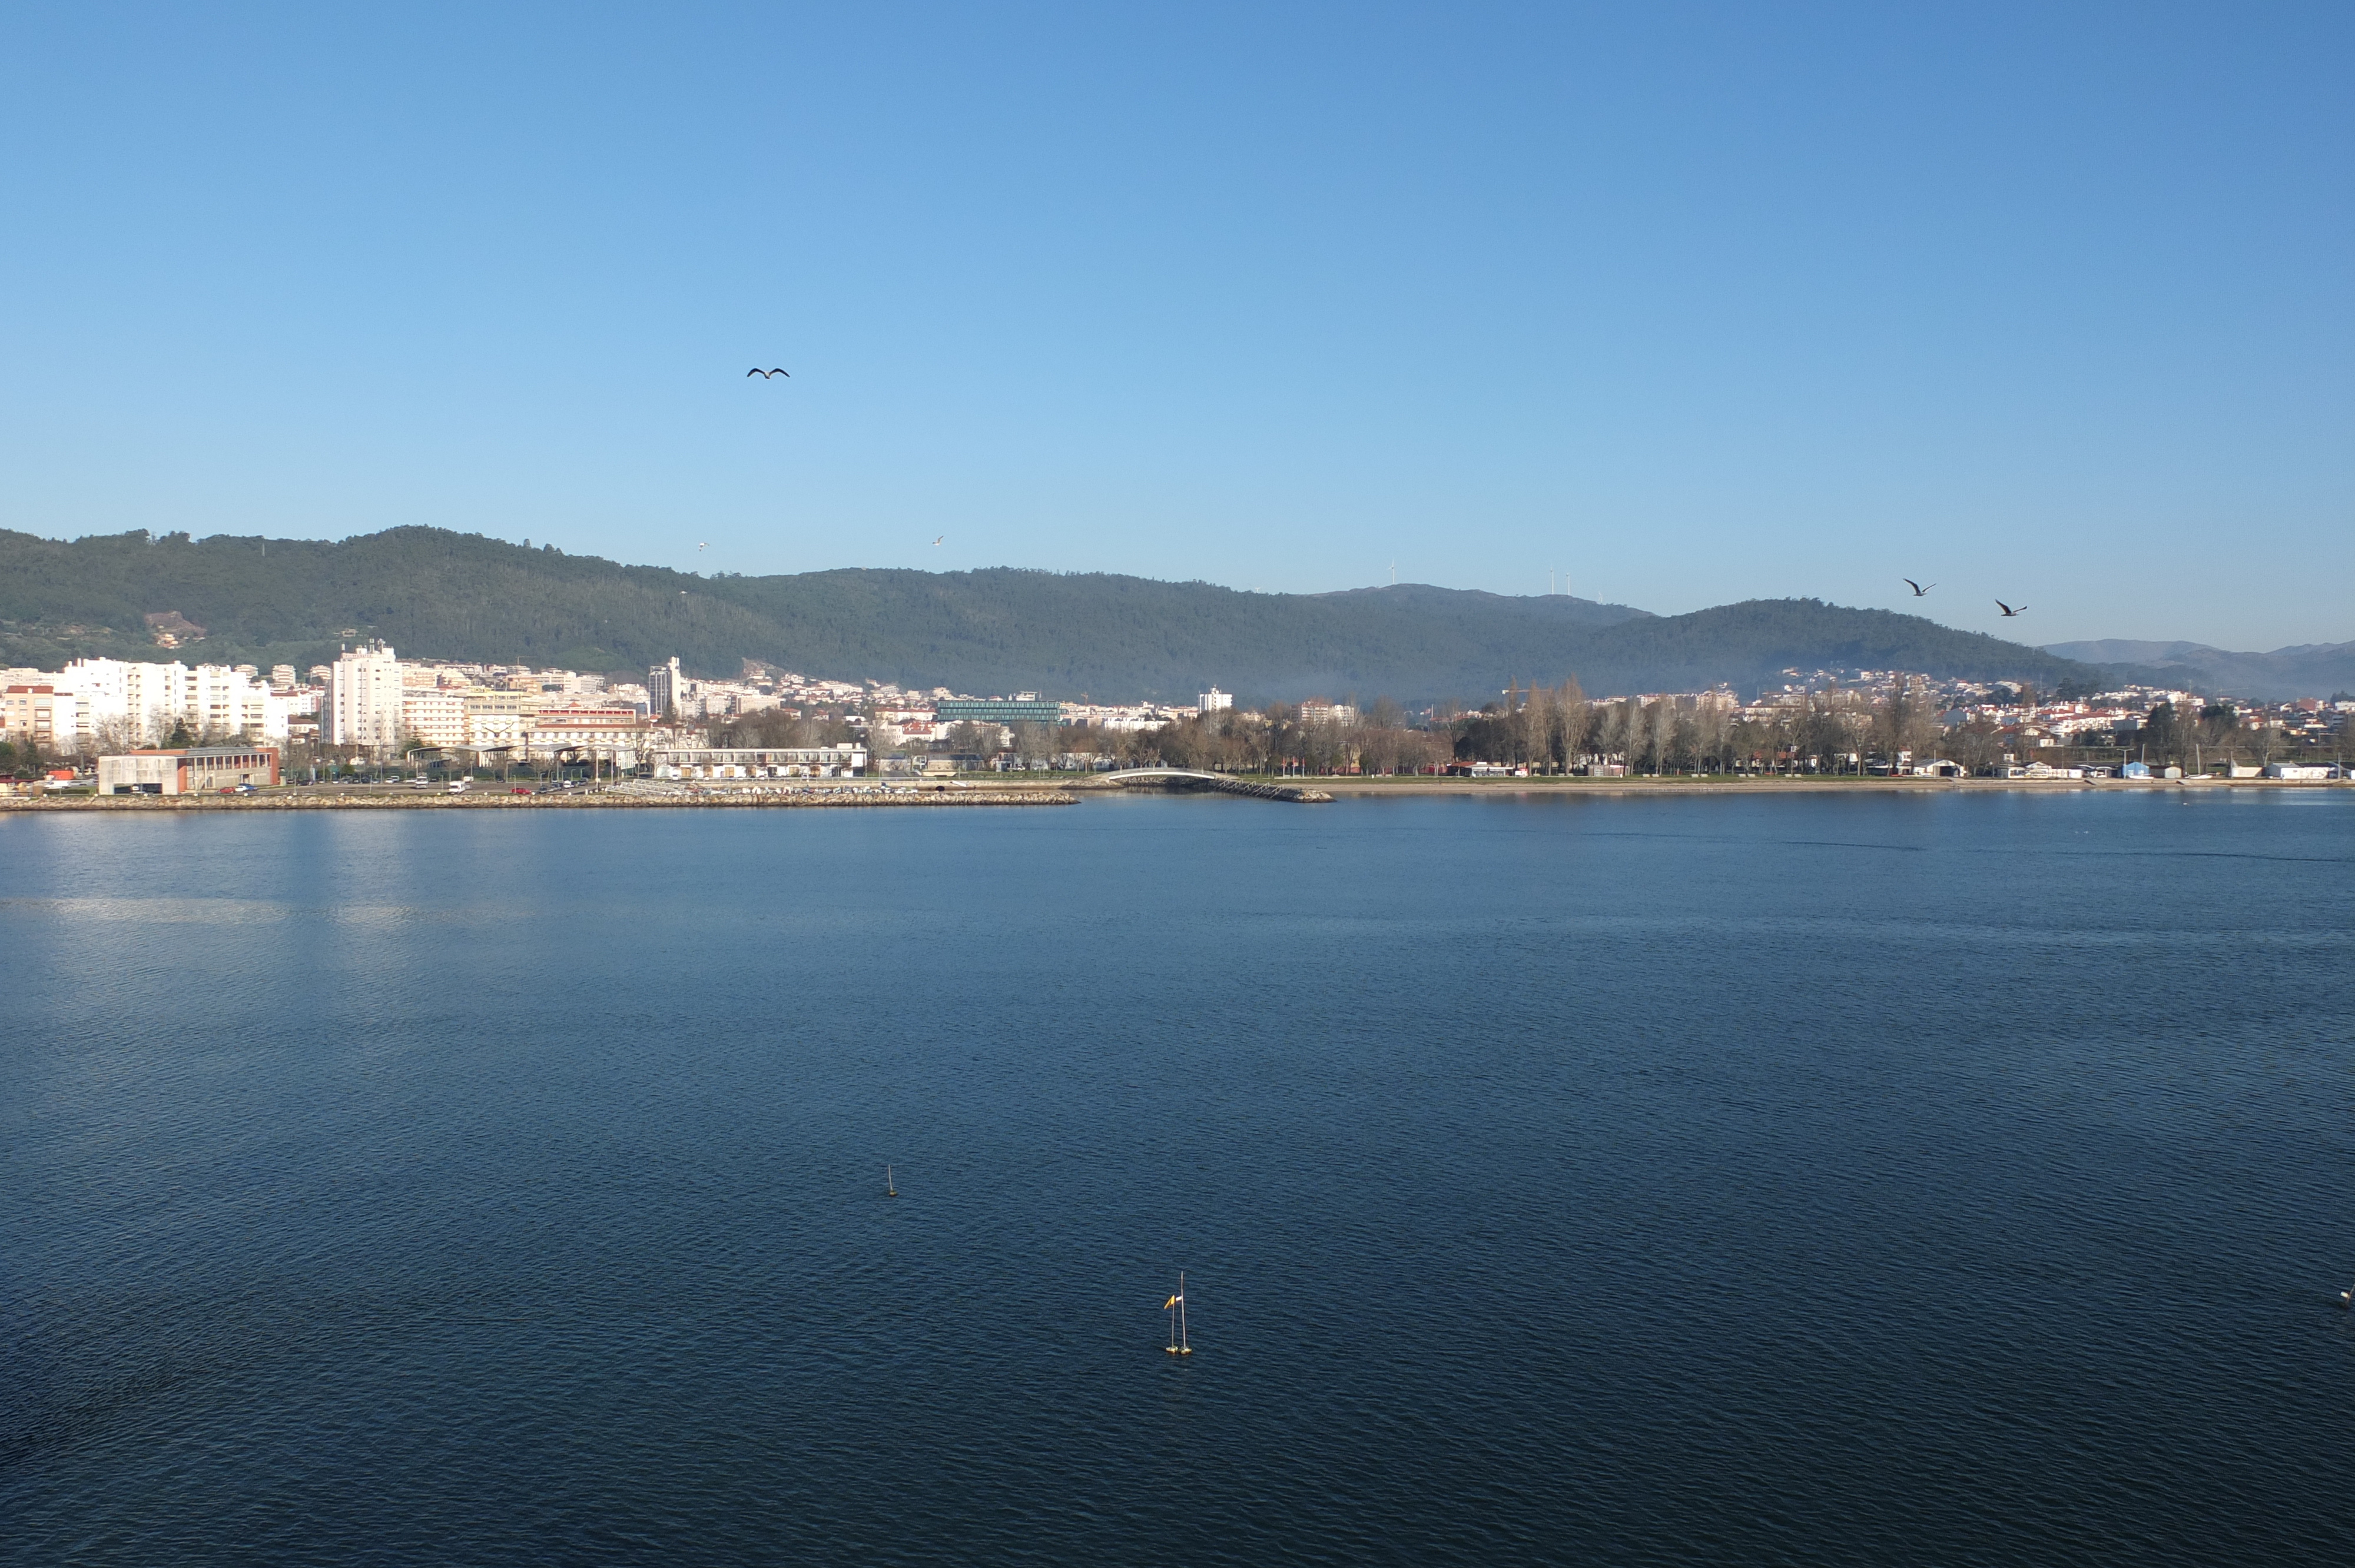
(436, 594)
(2309, 669)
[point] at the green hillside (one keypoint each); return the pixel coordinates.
(442, 595)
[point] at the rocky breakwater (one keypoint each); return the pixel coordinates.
(625, 796)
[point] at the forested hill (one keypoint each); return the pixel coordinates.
(436, 594)
(2309, 669)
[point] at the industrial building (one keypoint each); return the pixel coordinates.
(188, 770)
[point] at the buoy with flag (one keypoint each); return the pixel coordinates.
(1176, 1307)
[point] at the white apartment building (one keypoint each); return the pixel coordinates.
(666, 689)
(670, 692)
(145, 699)
(218, 700)
(361, 705)
(139, 703)
(1127, 716)
(435, 716)
(1213, 700)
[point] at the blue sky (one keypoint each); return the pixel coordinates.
(1689, 304)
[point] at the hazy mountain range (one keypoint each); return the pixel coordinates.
(437, 594)
(2307, 670)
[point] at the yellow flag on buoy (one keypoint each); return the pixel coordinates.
(1171, 1302)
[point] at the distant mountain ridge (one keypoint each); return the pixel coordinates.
(438, 594)
(2306, 669)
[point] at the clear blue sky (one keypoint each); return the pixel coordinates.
(1694, 304)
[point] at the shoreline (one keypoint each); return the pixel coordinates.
(1066, 791)
(1374, 787)
(832, 801)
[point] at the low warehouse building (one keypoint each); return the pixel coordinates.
(187, 770)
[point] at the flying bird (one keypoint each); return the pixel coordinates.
(1919, 591)
(2007, 610)
(703, 547)
(765, 375)
(936, 542)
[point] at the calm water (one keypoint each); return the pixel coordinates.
(1947, 1180)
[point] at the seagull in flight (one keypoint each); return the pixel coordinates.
(1919, 591)
(2007, 610)
(765, 375)
(700, 548)
(936, 542)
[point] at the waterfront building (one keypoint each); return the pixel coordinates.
(1024, 708)
(186, 770)
(615, 735)
(844, 760)
(496, 728)
(361, 705)
(435, 715)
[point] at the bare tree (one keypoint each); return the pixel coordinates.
(1034, 744)
(1574, 717)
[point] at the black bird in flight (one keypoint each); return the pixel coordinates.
(1919, 591)
(765, 375)
(2007, 610)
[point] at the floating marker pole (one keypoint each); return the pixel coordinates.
(1175, 1306)
(888, 1190)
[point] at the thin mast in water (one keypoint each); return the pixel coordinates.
(1176, 1307)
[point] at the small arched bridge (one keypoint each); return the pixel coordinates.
(1224, 783)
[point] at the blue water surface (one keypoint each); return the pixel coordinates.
(1806, 1179)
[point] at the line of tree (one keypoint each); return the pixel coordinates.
(1558, 729)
